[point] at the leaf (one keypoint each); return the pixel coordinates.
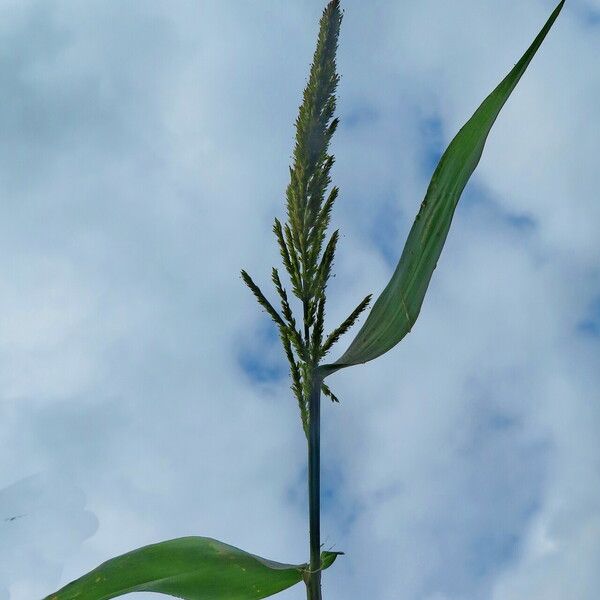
(193, 568)
(397, 308)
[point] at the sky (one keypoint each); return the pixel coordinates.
(144, 152)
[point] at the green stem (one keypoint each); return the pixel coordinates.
(313, 583)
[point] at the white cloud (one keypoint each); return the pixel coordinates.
(43, 522)
(144, 156)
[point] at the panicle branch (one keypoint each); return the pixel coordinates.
(335, 335)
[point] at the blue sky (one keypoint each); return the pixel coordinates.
(144, 154)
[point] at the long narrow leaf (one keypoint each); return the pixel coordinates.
(398, 306)
(193, 568)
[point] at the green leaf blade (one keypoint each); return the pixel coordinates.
(397, 308)
(193, 568)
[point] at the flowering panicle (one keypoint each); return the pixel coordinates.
(306, 257)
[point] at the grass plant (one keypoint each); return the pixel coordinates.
(198, 568)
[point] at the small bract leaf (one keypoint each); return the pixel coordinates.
(396, 310)
(193, 568)
(328, 558)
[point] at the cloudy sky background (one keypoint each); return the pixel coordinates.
(143, 156)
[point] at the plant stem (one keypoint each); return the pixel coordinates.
(313, 583)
